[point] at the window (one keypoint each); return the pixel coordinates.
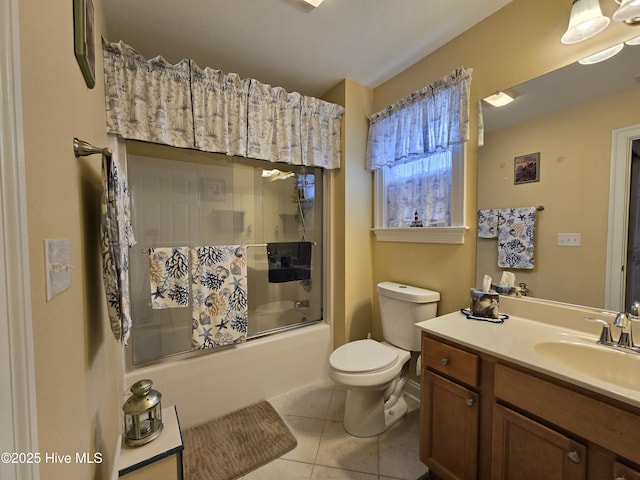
(432, 187)
(416, 149)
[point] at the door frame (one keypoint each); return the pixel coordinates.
(17, 372)
(619, 184)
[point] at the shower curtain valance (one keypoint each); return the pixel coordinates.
(185, 106)
(425, 122)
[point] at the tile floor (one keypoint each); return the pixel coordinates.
(326, 452)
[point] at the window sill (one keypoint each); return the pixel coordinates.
(452, 235)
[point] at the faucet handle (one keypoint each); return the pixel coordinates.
(605, 335)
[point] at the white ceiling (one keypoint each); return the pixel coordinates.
(283, 44)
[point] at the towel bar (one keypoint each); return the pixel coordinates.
(83, 149)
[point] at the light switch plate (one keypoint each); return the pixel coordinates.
(57, 257)
(569, 239)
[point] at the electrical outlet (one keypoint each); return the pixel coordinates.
(568, 240)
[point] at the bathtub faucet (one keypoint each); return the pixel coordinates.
(300, 303)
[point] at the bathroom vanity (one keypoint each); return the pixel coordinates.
(527, 399)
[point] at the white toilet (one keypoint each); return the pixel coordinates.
(375, 373)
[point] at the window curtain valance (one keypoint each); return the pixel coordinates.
(425, 122)
(186, 106)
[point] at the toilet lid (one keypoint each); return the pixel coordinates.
(362, 356)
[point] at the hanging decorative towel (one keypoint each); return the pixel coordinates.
(219, 287)
(169, 277)
(116, 236)
(516, 228)
(488, 223)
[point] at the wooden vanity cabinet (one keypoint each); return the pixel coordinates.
(483, 418)
(450, 411)
(523, 449)
(623, 472)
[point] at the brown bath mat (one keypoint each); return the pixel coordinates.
(235, 444)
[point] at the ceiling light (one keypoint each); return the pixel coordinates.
(314, 3)
(633, 41)
(601, 56)
(586, 21)
(499, 99)
(628, 10)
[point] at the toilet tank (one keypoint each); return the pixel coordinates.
(401, 307)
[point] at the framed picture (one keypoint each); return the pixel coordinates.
(526, 168)
(84, 40)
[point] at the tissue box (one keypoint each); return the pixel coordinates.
(485, 304)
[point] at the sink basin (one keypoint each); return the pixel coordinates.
(609, 364)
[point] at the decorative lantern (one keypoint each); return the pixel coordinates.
(142, 414)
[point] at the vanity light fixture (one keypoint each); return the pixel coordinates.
(499, 99)
(628, 11)
(586, 20)
(601, 56)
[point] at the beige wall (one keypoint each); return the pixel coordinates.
(78, 364)
(575, 152)
(351, 219)
(519, 42)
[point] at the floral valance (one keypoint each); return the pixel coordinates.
(426, 122)
(185, 106)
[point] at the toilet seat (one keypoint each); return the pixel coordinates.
(363, 356)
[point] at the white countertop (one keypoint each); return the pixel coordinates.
(515, 341)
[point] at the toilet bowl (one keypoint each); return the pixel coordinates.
(375, 373)
(371, 371)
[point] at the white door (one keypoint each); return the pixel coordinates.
(18, 433)
(632, 287)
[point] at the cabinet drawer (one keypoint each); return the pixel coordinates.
(451, 361)
(586, 417)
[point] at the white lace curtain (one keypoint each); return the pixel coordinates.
(185, 106)
(428, 121)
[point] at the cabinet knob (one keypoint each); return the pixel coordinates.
(444, 362)
(573, 456)
(469, 402)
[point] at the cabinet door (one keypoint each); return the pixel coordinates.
(525, 450)
(622, 472)
(449, 433)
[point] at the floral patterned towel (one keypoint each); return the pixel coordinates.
(219, 289)
(169, 277)
(516, 228)
(116, 236)
(488, 223)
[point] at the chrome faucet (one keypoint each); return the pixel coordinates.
(623, 322)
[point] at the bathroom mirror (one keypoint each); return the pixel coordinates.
(567, 117)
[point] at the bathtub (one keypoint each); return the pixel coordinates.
(207, 386)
